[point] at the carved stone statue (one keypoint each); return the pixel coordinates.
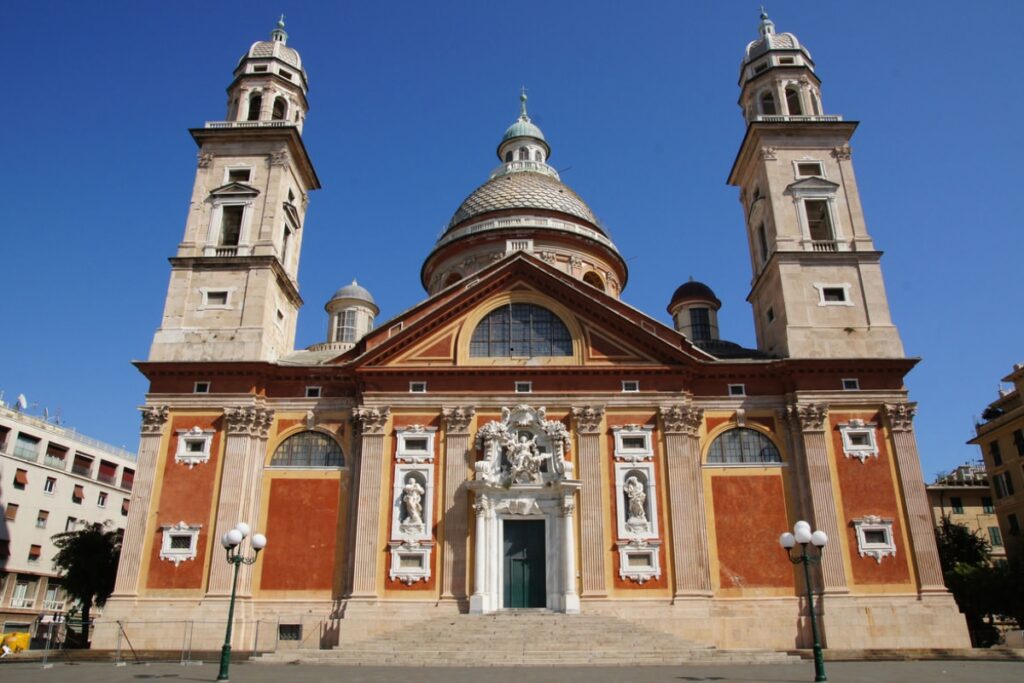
(412, 499)
(524, 459)
(636, 495)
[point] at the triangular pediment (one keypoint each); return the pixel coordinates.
(605, 331)
(235, 189)
(813, 184)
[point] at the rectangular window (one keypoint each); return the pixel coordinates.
(127, 479)
(638, 443)
(20, 479)
(101, 500)
(285, 74)
(875, 536)
(289, 632)
(833, 294)
(313, 392)
(737, 389)
(762, 240)
(524, 387)
(1008, 481)
(239, 175)
(82, 465)
(231, 225)
(1018, 440)
(124, 507)
(957, 504)
(986, 504)
(201, 388)
(259, 68)
(215, 299)
(181, 541)
(630, 386)
(11, 513)
(851, 384)
(417, 387)
(108, 472)
(71, 524)
(997, 456)
(5, 548)
(819, 220)
(78, 495)
(34, 551)
(770, 315)
(56, 456)
(995, 536)
(4, 433)
(418, 444)
(50, 485)
(808, 168)
(786, 60)
(26, 447)
(1011, 520)
(41, 518)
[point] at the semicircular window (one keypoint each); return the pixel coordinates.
(520, 331)
(308, 449)
(743, 446)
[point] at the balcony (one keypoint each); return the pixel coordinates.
(785, 118)
(83, 470)
(250, 124)
(25, 453)
(22, 603)
(824, 245)
(53, 605)
(57, 463)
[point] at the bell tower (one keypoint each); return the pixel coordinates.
(817, 288)
(233, 293)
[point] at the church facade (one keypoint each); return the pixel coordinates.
(522, 438)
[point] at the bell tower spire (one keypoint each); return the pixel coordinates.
(234, 291)
(817, 288)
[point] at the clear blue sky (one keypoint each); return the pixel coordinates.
(408, 101)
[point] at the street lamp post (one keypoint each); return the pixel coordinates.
(232, 542)
(802, 534)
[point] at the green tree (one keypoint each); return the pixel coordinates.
(87, 563)
(967, 568)
(961, 545)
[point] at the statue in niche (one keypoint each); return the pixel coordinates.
(636, 495)
(524, 459)
(412, 499)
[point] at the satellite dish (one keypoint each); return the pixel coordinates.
(21, 403)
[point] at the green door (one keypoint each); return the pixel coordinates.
(524, 564)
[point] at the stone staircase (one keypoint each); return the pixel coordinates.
(524, 638)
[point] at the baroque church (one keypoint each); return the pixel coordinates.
(521, 437)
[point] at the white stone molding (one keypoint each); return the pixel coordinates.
(194, 446)
(249, 421)
(372, 420)
(636, 500)
(412, 496)
(628, 447)
(822, 286)
(522, 448)
(410, 561)
(639, 560)
(458, 419)
(415, 443)
(874, 537)
(901, 416)
(173, 546)
(154, 418)
(682, 419)
(809, 417)
(859, 440)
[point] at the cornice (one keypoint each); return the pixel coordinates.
(238, 263)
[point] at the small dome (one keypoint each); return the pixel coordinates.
(693, 291)
(264, 49)
(354, 291)
(523, 128)
(523, 191)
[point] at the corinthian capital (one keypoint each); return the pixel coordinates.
(457, 419)
(153, 418)
(588, 419)
(249, 421)
(901, 416)
(372, 420)
(681, 419)
(810, 416)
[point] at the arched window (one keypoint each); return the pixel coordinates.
(255, 104)
(768, 104)
(524, 154)
(793, 102)
(742, 445)
(520, 331)
(508, 156)
(593, 279)
(280, 108)
(308, 449)
(537, 156)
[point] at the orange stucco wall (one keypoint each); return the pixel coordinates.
(186, 495)
(750, 513)
(868, 489)
(302, 521)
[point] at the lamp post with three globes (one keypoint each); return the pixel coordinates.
(802, 534)
(232, 542)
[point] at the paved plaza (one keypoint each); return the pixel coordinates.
(838, 672)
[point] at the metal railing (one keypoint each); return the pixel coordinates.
(22, 603)
(782, 118)
(55, 462)
(53, 605)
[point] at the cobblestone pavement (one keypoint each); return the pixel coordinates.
(838, 672)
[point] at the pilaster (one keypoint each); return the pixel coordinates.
(456, 532)
(592, 516)
(153, 420)
(244, 454)
(371, 423)
(900, 417)
(681, 426)
(810, 420)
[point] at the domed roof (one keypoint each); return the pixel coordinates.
(524, 190)
(770, 40)
(354, 291)
(277, 47)
(523, 128)
(693, 291)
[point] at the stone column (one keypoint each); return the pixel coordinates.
(244, 453)
(456, 531)
(477, 603)
(572, 598)
(371, 423)
(153, 420)
(900, 417)
(592, 521)
(681, 425)
(810, 420)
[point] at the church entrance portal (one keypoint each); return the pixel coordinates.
(524, 564)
